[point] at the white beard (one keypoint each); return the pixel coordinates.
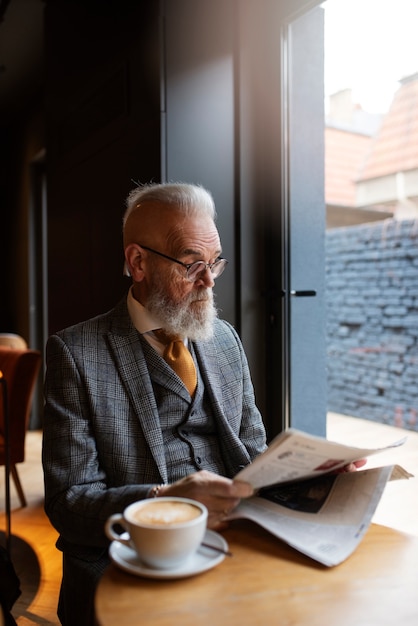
(179, 319)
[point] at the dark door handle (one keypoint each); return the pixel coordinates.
(307, 293)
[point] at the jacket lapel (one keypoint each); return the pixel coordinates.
(236, 455)
(161, 373)
(129, 357)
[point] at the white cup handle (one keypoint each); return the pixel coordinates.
(117, 518)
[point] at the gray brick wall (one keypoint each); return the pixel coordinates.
(372, 321)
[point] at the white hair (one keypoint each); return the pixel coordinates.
(186, 198)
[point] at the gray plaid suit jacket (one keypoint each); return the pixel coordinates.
(103, 445)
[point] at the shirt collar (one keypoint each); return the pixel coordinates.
(141, 318)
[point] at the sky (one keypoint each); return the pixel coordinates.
(369, 46)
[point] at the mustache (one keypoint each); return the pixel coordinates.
(205, 295)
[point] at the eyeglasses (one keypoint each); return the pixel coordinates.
(195, 270)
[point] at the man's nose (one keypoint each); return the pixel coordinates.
(206, 278)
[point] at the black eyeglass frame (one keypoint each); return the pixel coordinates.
(220, 262)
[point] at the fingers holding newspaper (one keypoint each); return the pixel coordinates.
(352, 467)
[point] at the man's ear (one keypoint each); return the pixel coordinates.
(134, 261)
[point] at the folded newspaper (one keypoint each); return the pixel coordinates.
(303, 500)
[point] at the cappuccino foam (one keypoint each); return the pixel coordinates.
(165, 513)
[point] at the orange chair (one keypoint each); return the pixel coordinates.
(20, 369)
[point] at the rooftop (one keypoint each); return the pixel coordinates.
(371, 162)
(395, 147)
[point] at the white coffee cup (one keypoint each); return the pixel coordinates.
(165, 532)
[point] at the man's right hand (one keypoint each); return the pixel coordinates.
(220, 495)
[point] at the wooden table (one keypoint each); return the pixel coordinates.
(266, 582)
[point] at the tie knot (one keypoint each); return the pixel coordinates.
(166, 338)
(179, 358)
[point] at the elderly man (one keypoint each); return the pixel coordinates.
(122, 421)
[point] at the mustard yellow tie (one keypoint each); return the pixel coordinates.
(179, 359)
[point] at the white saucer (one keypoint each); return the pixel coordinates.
(204, 559)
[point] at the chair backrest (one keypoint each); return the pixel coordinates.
(13, 341)
(20, 369)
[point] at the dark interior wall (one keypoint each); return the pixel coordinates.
(103, 133)
(21, 142)
(8, 160)
(21, 139)
(199, 117)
